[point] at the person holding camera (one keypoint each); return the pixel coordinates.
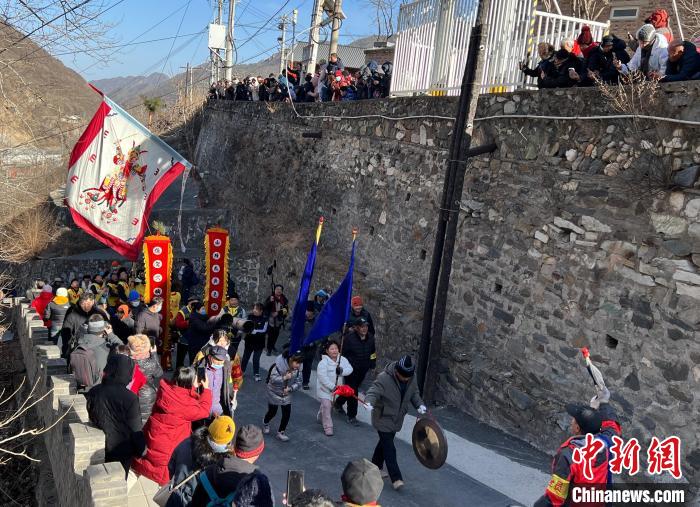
(179, 403)
(329, 374)
(282, 380)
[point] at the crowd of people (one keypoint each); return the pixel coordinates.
(172, 420)
(330, 81)
(585, 62)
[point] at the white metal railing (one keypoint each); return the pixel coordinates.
(433, 38)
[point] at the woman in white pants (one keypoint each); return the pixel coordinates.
(329, 374)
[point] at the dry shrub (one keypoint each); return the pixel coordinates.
(637, 96)
(27, 235)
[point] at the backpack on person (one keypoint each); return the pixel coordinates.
(214, 499)
(83, 364)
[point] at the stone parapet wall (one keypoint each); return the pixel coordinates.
(74, 447)
(559, 244)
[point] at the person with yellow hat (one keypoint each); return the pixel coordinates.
(205, 447)
(221, 432)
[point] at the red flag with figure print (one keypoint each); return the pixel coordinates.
(116, 172)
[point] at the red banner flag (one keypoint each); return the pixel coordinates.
(216, 245)
(158, 261)
(116, 172)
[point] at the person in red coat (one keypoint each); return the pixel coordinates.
(177, 405)
(42, 301)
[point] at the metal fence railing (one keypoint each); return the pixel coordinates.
(433, 38)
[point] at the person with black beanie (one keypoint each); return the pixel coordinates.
(388, 400)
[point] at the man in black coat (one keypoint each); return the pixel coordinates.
(74, 321)
(114, 409)
(358, 348)
(559, 74)
(683, 62)
(148, 320)
(198, 331)
(601, 62)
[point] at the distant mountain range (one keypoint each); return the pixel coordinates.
(123, 89)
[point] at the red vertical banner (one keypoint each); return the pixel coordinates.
(158, 261)
(216, 246)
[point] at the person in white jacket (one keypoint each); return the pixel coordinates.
(329, 374)
(651, 55)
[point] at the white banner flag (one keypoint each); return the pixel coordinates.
(116, 173)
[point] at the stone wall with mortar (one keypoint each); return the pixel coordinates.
(569, 235)
(74, 448)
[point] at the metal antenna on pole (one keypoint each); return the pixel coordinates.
(283, 41)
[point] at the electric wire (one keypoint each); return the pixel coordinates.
(118, 46)
(45, 24)
(173, 44)
(147, 30)
(39, 48)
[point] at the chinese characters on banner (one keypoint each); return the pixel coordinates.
(662, 456)
(116, 172)
(158, 261)
(216, 246)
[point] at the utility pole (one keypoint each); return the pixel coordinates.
(441, 264)
(335, 34)
(283, 42)
(314, 34)
(191, 87)
(188, 83)
(214, 53)
(229, 39)
(295, 16)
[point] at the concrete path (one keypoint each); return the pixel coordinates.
(484, 467)
(474, 474)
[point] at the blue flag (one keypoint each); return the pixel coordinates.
(299, 315)
(336, 310)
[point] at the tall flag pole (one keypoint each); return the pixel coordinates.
(336, 311)
(116, 172)
(299, 315)
(216, 249)
(158, 263)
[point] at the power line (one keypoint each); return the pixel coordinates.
(173, 44)
(39, 48)
(271, 18)
(126, 44)
(139, 35)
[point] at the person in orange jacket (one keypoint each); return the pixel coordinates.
(599, 420)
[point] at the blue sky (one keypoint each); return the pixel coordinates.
(136, 18)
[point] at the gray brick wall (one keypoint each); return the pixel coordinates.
(74, 447)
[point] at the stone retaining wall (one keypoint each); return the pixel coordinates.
(570, 235)
(74, 447)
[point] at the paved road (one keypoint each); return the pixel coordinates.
(323, 458)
